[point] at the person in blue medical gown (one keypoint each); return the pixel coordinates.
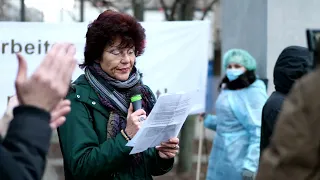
(236, 147)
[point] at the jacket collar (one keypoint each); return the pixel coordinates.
(86, 94)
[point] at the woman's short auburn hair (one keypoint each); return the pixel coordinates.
(106, 28)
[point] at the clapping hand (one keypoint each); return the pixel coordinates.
(50, 82)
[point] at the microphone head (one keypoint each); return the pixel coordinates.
(135, 94)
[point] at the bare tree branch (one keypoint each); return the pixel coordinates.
(207, 9)
(73, 17)
(94, 4)
(165, 9)
(102, 4)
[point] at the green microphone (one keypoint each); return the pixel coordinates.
(136, 98)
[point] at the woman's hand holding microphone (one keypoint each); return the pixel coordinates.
(134, 121)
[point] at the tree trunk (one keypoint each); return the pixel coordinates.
(185, 162)
(186, 10)
(23, 11)
(138, 9)
(217, 40)
(81, 10)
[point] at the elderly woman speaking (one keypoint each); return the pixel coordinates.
(93, 139)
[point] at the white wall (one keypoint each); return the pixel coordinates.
(287, 22)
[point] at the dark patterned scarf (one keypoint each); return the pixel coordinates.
(114, 95)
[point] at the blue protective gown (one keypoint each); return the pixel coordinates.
(237, 124)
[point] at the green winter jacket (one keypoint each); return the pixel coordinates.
(86, 152)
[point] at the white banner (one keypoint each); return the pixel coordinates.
(176, 56)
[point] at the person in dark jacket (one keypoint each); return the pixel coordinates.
(292, 63)
(23, 151)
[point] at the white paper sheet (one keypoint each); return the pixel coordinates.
(164, 121)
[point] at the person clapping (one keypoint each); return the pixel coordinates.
(23, 150)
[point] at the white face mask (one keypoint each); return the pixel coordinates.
(233, 74)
